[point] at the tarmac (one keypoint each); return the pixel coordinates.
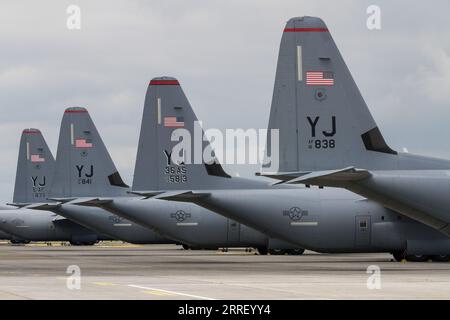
(123, 271)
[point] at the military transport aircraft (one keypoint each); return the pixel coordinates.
(324, 220)
(186, 223)
(333, 140)
(82, 162)
(311, 78)
(34, 174)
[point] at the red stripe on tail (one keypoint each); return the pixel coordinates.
(164, 83)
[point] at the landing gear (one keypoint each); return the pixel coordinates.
(441, 258)
(295, 252)
(290, 252)
(401, 255)
(417, 258)
(262, 251)
(185, 247)
(276, 252)
(78, 243)
(15, 241)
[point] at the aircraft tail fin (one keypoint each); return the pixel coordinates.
(323, 120)
(84, 167)
(167, 120)
(35, 167)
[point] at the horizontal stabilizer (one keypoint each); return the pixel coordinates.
(338, 177)
(18, 205)
(186, 196)
(282, 176)
(62, 200)
(92, 202)
(146, 194)
(44, 206)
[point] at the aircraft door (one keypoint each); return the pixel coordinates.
(362, 232)
(234, 230)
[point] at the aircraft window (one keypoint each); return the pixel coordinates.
(363, 224)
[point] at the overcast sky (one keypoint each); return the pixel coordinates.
(224, 54)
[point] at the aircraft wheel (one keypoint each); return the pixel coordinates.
(77, 243)
(185, 246)
(399, 256)
(441, 258)
(295, 252)
(417, 257)
(262, 251)
(20, 241)
(276, 252)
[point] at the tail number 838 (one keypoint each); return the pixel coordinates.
(321, 144)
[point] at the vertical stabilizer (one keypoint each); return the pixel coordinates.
(83, 165)
(323, 120)
(168, 118)
(35, 168)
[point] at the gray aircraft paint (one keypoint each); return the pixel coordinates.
(84, 168)
(332, 223)
(35, 168)
(337, 131)
(46, 226)
(186, 223)
(326, 220)
(189, 224)
(5, 236)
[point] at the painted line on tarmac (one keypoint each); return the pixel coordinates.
(158, 293)
(105, 284)
(170, 292)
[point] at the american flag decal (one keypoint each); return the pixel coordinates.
(319, 78)
(37, 158)
(174, 122)
(83, 143)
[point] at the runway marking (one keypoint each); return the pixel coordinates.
(158, 293)
(171, 292)
(105, 284)
(119, 246)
